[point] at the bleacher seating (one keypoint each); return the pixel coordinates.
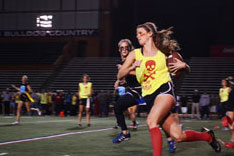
(101, 70)
(36, 78)
(206, 75)
(30, 52)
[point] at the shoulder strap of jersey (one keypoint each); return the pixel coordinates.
(138, 54)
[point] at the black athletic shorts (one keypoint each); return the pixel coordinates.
(227, 106)
(24, 97)
(134, 92)
(85, 102)
(230, 101)
(166, 88)
(175, 109)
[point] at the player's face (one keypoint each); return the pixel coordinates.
(85, 79)
(124, 49)
(143, 36)
(24, 79)
(224, 83)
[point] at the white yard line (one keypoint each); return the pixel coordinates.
(44, 121)
(57, 135)
(53, 136)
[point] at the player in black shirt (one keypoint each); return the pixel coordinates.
(195, 104)
(132, 95)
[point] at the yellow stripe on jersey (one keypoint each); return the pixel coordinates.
(85, 90)
(152, 73)
(223, 94)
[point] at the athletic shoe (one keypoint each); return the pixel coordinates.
(116, 126)
(15, 123)
(121, 137)
(214, 143)
(134, 126)
(172, 146)
(229, 145)
(79, 125)
(137, 123)
(88, 125)
(225, 129)
(38, 111)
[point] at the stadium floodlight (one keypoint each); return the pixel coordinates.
(44, 21)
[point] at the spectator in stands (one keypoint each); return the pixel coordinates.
(63, 108)
(50, 101)
(6, 101)
(109, 101)
(74, 106)
(184, 107)
(205, 102)
(68, 98)
(44, 102)
(13, 104)
(17, 100)
(53, 102)
(36, 99)
(214, 103)
(58, 102)
(195, 104)
(102, 98)
(96, 104)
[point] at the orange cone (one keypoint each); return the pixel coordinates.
(61, 114)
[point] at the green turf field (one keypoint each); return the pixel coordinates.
(93, 143)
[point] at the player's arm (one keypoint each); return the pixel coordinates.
(116, 85)
(91, 91)
(229, 90)
(127, 67)
(16, 88)
(130, 73)
(29, 89)
(78, 92)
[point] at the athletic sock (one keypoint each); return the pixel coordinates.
(232, 144)
(197, 136)
(156, 138)
(230, 121)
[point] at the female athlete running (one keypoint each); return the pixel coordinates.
(226, 94)
(152, 73)
(25, 98)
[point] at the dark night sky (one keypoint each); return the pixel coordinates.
(197, 24)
